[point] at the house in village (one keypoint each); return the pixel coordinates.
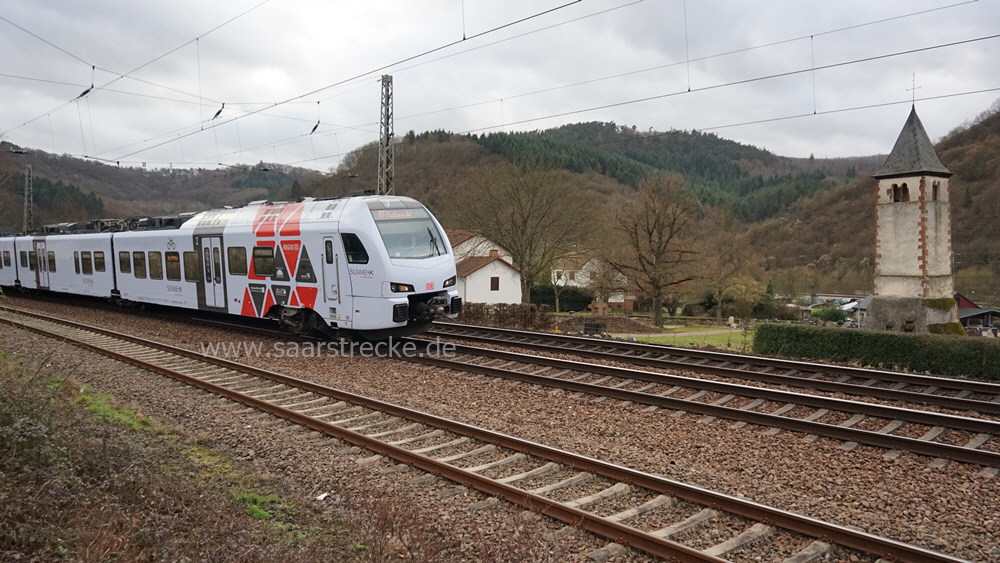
(578, 270)
(974, 316)
(486, 273)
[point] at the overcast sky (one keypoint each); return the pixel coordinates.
(281, 66)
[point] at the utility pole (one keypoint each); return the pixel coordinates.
(386, 170)
(28, 201)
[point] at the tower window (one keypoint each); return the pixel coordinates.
(900, 193)
(935, 188)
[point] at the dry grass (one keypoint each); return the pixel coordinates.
(82, 479)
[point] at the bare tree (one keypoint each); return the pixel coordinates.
(650, 229)
(726, 255)
(530, 208)
(604, 280)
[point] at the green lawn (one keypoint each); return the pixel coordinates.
(735, 340)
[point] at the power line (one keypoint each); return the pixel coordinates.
(740, 82)
(121, 75)
(674, 64)
(370, 72)
(733, 83)
(404, 60)
(263, 110)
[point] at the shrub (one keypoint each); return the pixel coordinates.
(930, 353)
(522, 316)
(570, 298)
(830, 314)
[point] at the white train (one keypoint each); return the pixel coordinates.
(371, 266)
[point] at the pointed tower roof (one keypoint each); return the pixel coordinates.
(913, 153)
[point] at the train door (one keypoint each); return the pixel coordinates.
(331, 272)
(42, 267)
(212, 263)
(336, 281)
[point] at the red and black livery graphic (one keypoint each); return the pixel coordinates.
(291, 261)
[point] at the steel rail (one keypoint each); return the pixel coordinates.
(956, 403)
(832, 533)
(447, 329)
(817, 401)
(847, 434)
(601, 526)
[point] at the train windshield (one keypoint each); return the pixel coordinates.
(409, 233)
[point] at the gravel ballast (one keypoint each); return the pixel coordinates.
(951, 509)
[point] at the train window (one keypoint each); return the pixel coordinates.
(409, 233)
(98, 261)
(356, 253)
(76, 262)
(328, 247)
(173, 266)
(208, 265)
(86, 265)
(32, 260)
(217, 261)
(6, 258)
(52, 261)
(237, 260)
(263, 260)
(155, 266)
(24, 259)
(124, 263)
(192, 269)
(139, 264)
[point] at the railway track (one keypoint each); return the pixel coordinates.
(647, 512)
(943, 436)
(952, 393)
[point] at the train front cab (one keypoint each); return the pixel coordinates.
(399, 265)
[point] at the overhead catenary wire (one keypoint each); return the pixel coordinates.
(824, 32)
(368, 73)
(120, 76)
(264, 110)
(740, 82)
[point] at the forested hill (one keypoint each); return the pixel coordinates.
(72, 189)
(753, 182)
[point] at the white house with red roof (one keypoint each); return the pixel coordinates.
(485, 271)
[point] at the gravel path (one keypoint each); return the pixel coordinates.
(950, 509)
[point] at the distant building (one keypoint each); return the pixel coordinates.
(913, 280)
(973, 316)
(468, 243)
(485, 271)
(488, 279)
(574, 271)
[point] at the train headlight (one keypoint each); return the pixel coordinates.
(400, 287)
(449, 282)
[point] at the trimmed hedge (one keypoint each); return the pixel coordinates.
(521, 316)
(940, 355)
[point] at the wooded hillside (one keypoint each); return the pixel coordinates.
(813, 219)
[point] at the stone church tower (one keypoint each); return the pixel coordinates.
(914, 288)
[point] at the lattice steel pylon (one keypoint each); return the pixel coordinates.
(386, 171)
(29, 203)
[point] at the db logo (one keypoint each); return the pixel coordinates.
(430, 286)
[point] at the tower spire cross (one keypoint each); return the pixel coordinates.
(914, 89)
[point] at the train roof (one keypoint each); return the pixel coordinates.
(308, 210)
